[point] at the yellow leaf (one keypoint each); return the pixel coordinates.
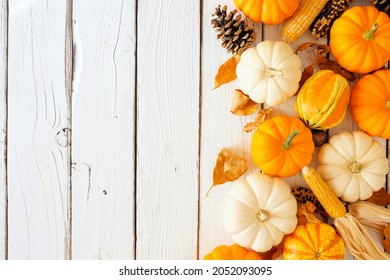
(242, 105)
(226, 72)
(229, 167)
(306, 214)
(258, 120)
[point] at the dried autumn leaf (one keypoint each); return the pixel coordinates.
(274, 253)
(327, 64)
(261, 115)
(226, 72)
(242, 105)
(306, 215)
(386, 241)
(229, 167)
(381, 198)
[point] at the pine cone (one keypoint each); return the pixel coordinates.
(235, 34)
(382, 5)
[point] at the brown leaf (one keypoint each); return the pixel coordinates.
(226, 72)
(386, 241)
(381, 198)
(261, 115)
(327, 64)
(306, 215)
(229, 167)
(242, 105)
(274, 253)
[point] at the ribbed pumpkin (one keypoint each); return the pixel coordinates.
(282, 146)
(259, 212)
(314, 242)
(267, 11)
(360, 39)
(323, 100)
(370, 103)
(233, 252)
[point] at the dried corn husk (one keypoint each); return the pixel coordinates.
(370, 214)
(358, 240)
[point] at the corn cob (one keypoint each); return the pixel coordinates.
(325, 195)
(300, 21)
(324, 21)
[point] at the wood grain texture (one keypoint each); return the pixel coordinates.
(103, 129)
(219, 128)
(168, 49)
(37, 140)
(3, 124)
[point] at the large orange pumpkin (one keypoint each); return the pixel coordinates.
(314, 242)
(360, 39)
(370, 103)
(282, 146)
(267, 11)
(233, 252)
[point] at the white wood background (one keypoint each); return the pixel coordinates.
(109, 129)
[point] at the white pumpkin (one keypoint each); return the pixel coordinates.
(259, 211)
(270, 72)
(353, 164)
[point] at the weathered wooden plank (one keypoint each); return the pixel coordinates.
(220, 128)
(3, 125)
(103, 129)
(38, 145)
(167, 129)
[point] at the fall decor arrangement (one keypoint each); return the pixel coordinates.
(344, 173)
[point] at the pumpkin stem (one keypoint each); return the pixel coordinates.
(388, 104)
(262, 215)
(270, 73)
(287, 144)
(369, 34)
(355, 167)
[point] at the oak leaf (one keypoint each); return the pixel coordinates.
(227, 72)
(386, 241)
(274, 253)
(242, 105)
(381, 197)
(229, 167)
(260, 118)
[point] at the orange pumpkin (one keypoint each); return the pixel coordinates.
(233, 252)
(267, 11)
(314, 242)
(282, 146)
(370, 103)
(323, 100)
(360, 39)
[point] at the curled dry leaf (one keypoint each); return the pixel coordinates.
(242, 105)
(226, 72)
(313, 59)
(386, 241)
(274, 253)
(306, 215)
(261, 115)
(381, 198)
(229, 167)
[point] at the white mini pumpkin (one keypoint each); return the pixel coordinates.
(353, 164)
(269, 72)
(259, 211)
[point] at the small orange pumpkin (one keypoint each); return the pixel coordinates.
(370, 103)
(233, 252)
(282, 146)
(314, 242)
(360, 39)
(267, 11)
(323, 100)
